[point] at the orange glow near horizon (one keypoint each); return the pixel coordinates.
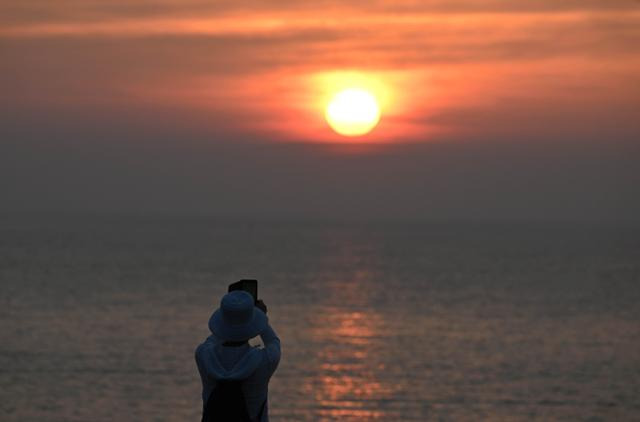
(388, 89)
(292, 106)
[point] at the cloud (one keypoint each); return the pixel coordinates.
(152, 174)
(73, 11)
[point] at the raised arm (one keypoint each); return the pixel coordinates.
(272, 347)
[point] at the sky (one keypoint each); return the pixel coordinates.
(490, 109)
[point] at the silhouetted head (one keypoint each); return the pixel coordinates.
(237, 319)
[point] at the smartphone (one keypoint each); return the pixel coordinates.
(249, 286)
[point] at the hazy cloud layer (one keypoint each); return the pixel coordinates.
(30, 11)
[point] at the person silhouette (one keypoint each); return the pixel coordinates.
(235, 375)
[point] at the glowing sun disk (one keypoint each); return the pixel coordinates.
(353, 112)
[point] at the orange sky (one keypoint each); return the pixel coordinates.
(447, 69)
(491, 109)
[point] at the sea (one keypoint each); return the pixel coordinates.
(389, 321)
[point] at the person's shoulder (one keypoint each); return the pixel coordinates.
(206, 346)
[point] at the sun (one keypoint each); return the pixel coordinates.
(353, 112)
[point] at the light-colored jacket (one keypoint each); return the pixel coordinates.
(251, 364)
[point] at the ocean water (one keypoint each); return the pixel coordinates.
(99, 318)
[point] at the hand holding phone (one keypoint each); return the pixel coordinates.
(249, 286)
(260, 305)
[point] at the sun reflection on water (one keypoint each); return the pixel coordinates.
(347, 387)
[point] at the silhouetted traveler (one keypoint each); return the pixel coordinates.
(235, 375)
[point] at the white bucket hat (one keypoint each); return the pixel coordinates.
(237, 319)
